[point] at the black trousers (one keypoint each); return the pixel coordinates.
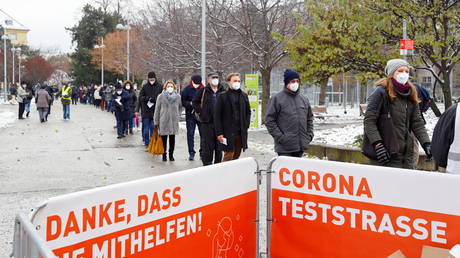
(172, 142)
(209, 145)
(22, 107)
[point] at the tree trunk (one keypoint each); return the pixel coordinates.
(363, 93)
(435, 109)
(353, 93)
(446, 90)
(265, 91)
(322, 92)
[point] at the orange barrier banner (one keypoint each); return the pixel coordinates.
(202, 212)
(332, 209)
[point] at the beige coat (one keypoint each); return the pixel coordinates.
(167, 113)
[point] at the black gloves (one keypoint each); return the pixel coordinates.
(382, 154)
(427, 148)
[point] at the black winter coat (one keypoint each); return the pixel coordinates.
(443, 136)
(131, 104)
(149, 91)
(122, 112)
(187, 96)
(224, 121)
(206, 111)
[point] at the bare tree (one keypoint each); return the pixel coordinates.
(261, 24)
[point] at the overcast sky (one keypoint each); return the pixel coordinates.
(47, 20)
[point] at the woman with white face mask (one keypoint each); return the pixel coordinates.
(391, 117)
(131, 105)
(166, 117)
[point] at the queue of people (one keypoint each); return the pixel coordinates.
(393, 122)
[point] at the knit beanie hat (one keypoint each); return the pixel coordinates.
(196, 79)
(152, 75)
(395, 64)
(290, 75)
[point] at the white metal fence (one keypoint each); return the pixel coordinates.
(27, 243)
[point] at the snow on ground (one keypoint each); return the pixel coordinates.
(336, 129)
(348, 127)
(6, 118)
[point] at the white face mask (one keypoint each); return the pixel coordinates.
(119, 92)
(236, 85)
(128, 87)
(294, 86)
(215, 82)
(170, 89)
(195, 85)
(135, 87)
(151, 82)
(402, 77)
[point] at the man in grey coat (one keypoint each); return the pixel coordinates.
(289, 119)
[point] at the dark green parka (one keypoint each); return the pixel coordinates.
(406, 119)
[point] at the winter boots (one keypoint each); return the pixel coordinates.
(171, 156)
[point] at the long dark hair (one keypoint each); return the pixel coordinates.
(390, 88)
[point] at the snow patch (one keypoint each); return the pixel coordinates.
(6, 118)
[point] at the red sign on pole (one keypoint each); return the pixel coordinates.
(407, 44)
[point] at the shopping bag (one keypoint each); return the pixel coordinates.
(156, 144)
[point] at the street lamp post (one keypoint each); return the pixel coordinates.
(127, 28)
(19, 75)
(13, 51)
(203, 39)
(102, 46)
(5, 81)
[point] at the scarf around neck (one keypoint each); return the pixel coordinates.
(403, 88)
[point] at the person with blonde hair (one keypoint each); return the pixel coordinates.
(166, 116)
(392, 115)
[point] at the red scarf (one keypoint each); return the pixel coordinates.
(403, 88)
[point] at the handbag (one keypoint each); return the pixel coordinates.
(197, 116)
(386, 129)
(156, 144)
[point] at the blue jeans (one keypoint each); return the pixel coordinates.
(27, 107)
(66, 110)
(297, 154)
(147, 130)
(109, 106)
(131, 123)
(191, 125)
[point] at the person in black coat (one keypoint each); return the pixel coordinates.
(232, 116)
(50, 91)
(131, 104)
(203, 104)
(443, 138)
(122, 109)
(146, 104)
(187, 96)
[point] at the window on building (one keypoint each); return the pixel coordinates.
(426, 79)
(13, 36)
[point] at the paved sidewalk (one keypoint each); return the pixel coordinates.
(38, 161)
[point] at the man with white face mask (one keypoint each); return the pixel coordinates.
(289, 118)
(187, 96)
(232, 117)
(203, 105)
(147, 100)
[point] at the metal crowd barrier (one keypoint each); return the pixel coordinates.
(27, 243)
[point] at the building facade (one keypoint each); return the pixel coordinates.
(16, 31)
